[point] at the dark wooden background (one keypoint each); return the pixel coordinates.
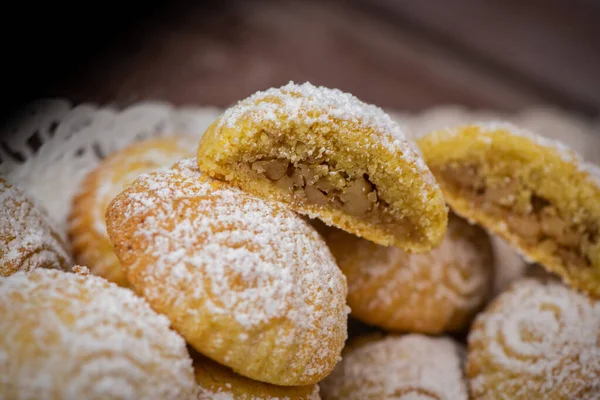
(409, 55)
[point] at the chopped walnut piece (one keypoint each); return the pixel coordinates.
(525, 226)
(504, 194)
(464, 176)
(355, 197)
(325, 185)
(319, 184)
(557, 228)
(297, 178)
(314, 195)
(273, 169)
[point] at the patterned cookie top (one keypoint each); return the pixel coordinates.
(428, 292)
(123, 167)
(87, 225)
(78, 336)
(278, 242)
(543, 332)
(455, 269)
(241, 257)
(406, 367)
(28, 239)
(307, 104)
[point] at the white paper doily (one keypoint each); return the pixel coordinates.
(49, 147)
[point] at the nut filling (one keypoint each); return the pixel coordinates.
(320, 183)
(531, 217)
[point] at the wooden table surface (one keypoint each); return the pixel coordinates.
(408, 55)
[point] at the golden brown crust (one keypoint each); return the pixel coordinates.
(535, 193)
(433, 292)
(87, 228)
(328, 156)
(247, 282)
(28, 239)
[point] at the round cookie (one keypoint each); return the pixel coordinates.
(247, 282)
(330, 156)
(534, 192)
(433, 292)
(87, 227)
(217, 381)
(28, 239)
(407, 367)
(537, 340)
(70, 335)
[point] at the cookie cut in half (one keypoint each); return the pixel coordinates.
(330, 156)
(534, 192)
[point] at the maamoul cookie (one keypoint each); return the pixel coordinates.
(28, 239)
(247, 282)
(329, 156)
(537, 340)
(434, 292)
(534, 192)
(87, 228)
(216, 381)
(407, 367)
(67, 335)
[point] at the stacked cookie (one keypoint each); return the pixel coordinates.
(237, 267)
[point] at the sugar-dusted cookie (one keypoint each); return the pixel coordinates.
(216, 381)
(434, 292)
(406, 367)
(67, 336)
(87, 226)
(330, 156)
(28, 239)
(247, 282)
(537, 340)
(534, 192)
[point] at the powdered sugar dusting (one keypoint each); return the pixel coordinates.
(405, 367)
(544, 333)
(308, 104)
(27, 238)
(239, 256)
(78, 336)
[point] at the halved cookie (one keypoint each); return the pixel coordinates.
(536, 193)
(330, 156)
